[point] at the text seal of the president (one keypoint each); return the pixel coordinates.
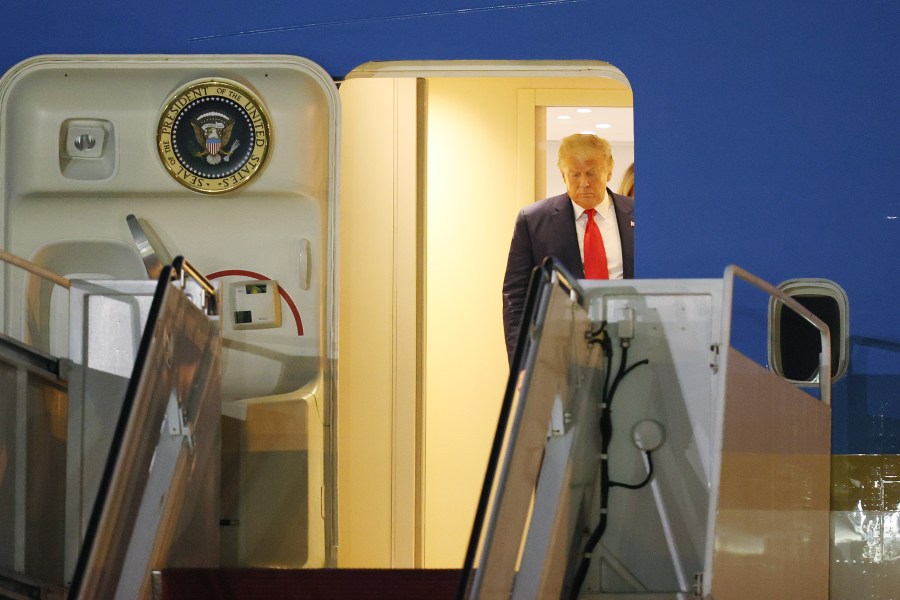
(213, 136)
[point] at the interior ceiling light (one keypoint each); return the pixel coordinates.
(584, 110)
(602, 125)
(563, 117)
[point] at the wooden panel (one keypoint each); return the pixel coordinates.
(772, 526)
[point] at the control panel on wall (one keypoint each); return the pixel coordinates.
(255, 304)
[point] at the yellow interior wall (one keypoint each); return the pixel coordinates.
(475, 148)
(365, 306)
(471, 205)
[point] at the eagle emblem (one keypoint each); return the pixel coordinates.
(213, 136)
(212, 131)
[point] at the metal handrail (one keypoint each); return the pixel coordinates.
(34, 269)
(552, 266)
(182, 270)
(183, 267)
(824, 378)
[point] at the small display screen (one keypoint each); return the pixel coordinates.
(256, 288)
(243, 316)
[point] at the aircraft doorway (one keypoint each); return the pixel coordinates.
(436, 160)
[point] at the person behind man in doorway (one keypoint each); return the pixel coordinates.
(589, 229)
(626, 188)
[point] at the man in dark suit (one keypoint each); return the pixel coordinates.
(566, 227)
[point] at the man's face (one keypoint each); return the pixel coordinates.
(586, 180)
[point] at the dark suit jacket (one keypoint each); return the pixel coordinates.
(547, 228)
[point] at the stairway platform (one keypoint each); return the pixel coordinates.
(306, 584)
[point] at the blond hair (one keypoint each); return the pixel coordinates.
(584, 146)
(626, 188)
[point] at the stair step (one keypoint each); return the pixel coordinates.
(307, 584)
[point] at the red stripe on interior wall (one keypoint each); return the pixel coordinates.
(259, 276)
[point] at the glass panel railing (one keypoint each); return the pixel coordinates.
(33, 415)
(99, 425)
(542, 422)
(157, 499)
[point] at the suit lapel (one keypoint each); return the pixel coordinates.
(563, 217)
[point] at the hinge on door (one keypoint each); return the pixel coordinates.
(698, 587)
(714, 360)
(156, 585)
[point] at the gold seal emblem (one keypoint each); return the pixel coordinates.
(213, 136)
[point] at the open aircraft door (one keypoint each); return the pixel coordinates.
(112, 166)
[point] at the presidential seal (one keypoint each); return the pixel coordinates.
(213, 136)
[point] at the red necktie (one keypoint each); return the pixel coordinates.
(594, 253)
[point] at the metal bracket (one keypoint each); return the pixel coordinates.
(175, 422)
(698, 586)
(714, 361)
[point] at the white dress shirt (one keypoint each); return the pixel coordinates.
(605, 217)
